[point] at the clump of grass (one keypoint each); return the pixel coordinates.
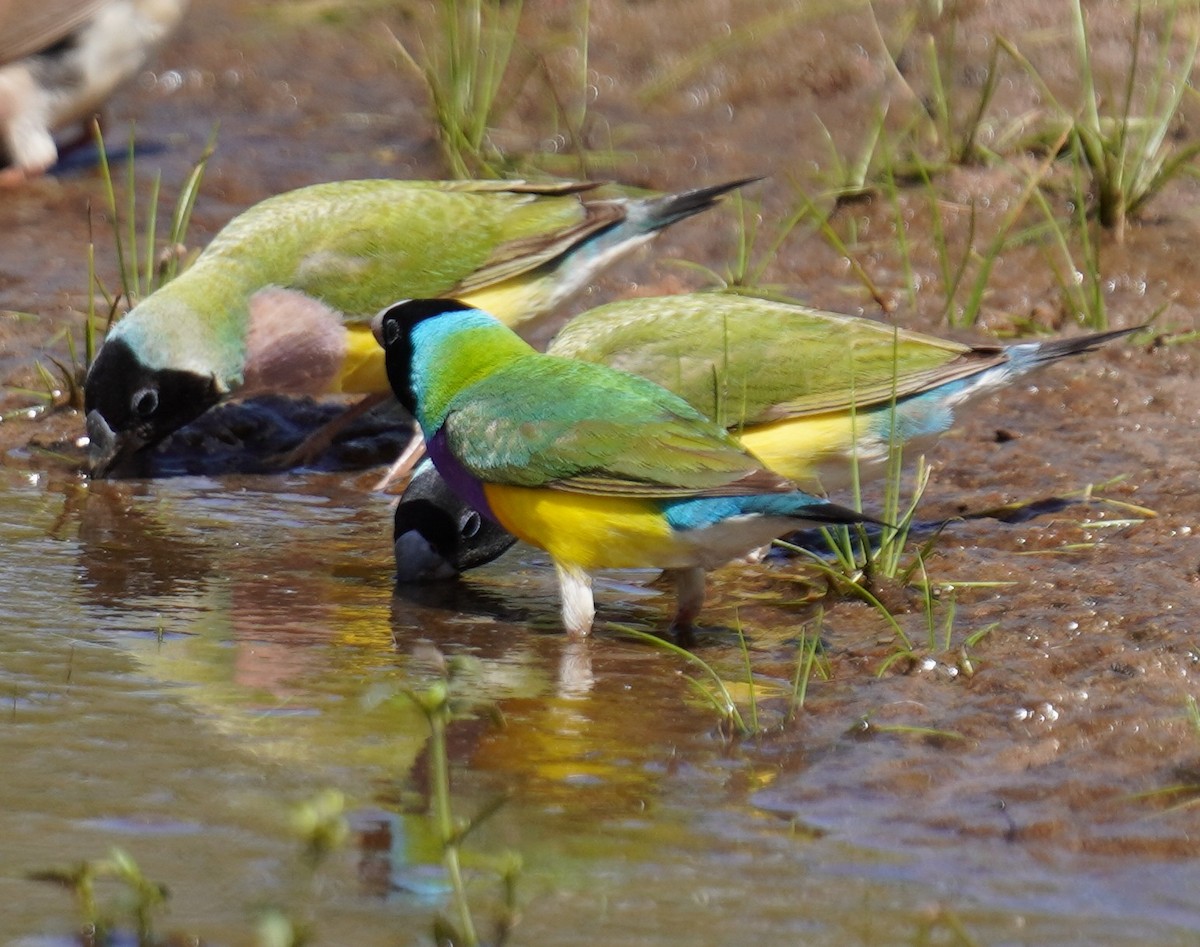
(745, 272)
(474, 65)
(1077, 274)
(463, 68)
(810, 209)
(144, 264)
(964, 312)
(943, 130)
(1128, 152)
(734, 42)
(740, 718)
(960, 142)
(941, 612)
(864, 564)
(810, 660)
(964, 266)
(145, 261)
(711, 687)
(849, 179)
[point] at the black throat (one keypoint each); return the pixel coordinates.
(395, 334)
(117, 375)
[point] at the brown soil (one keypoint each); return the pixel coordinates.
(1077, 703)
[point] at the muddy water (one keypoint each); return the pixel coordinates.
(183, 659)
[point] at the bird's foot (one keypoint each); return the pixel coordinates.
(15, 176)
(684, 633)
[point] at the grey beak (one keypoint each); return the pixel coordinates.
(105, 446)
(417, 562)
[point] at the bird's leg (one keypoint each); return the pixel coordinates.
(689, 595)
(13, 176)
(578, 605)
(319, 440)
(408, 459)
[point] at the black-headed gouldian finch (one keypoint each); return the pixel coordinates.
(281, 300)
(814, 395)
(600, 468)
(60, 60)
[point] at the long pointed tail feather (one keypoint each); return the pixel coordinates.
(836, 514)
(664, 211)
(1035, 353)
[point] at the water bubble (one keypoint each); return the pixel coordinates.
(170, 81)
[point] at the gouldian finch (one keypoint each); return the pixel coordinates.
(438, 535)
(60, 60)
(600, 468)
(282, 298)
(812, 394)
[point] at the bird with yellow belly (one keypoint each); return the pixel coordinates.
(819, 397)
(600, 468)
(281, 300)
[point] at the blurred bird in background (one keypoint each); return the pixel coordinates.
(59, 61)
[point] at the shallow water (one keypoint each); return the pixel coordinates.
(185, 659)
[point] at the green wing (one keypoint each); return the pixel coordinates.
(352, 243)
(545, 421)
(749, 361)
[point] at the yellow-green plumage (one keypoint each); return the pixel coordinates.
(744, 361)
(281, 299)
(817, 397)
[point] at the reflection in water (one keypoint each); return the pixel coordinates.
(499, 616)
(261, 622)
(185, 659)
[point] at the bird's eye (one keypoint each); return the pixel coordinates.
(471, 525)
(391, 331)
(144, 402)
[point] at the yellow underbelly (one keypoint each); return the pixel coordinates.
(816, 451)
(589, 531)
